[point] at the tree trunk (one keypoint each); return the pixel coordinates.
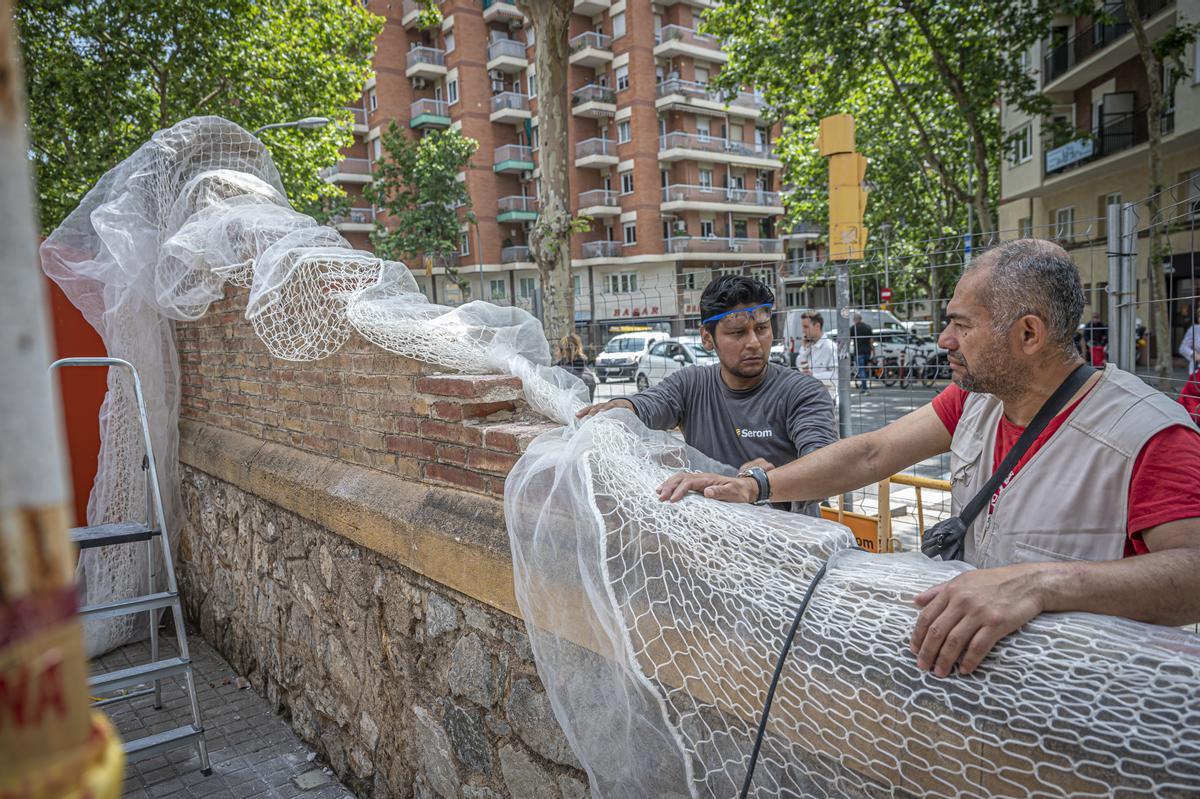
(1160, 246)
(550, 239)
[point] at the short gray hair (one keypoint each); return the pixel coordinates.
(1030, 277)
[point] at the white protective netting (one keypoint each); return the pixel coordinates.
(655, 627)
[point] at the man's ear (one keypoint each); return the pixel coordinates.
(1031, 333)
(706, 339)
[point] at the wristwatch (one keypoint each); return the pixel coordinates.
(764, 485)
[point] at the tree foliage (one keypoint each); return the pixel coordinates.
(103, 75)
(416, 184)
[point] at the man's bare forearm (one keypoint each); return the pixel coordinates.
(1158, 587)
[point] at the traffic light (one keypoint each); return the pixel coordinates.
(847, 196)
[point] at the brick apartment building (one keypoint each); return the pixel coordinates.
(1090, 70)
(680, 183)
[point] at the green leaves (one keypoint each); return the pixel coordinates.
(103, 75)
(416, 184)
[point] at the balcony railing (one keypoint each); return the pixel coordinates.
(1062, 58)
(425, 55)
(711, 144)
(512, 152)
(348, 166)
(701, 91)
(506, 47)
(429, 106)
(590, 199)
(509, 100)
(354, 216)
(593, 93)
(512, 255)
(678, 33)
(360, 114)
(718, 246)
(1117, 134)
(601, 249)
(512, 6)
(591, 39)
(517, 203)
(589, 147)
(717, 194)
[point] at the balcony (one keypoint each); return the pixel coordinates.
(594, 101)
(599, 202)
(803, 231)
(1121, 133)
(1087, 55)
(429, 113)
(515, 255)
(425, 62)
(601, 249)
(678, 146)
(356, 220)
(501, 11)
(724, 199)
(692, 3)
(590, 8)
(410, 11)
(710, 247)
(590, 49)
(596, 153)
(676, 40)
(510, 107)
(512, 158)
(348, 170)
(360, 118)
(517, 208)
(687, 95)
(507, 55)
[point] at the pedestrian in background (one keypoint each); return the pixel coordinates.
(1095, 336)
(818, 354)
(861, 335)
(1188, 347)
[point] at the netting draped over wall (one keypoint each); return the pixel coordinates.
(655, 627)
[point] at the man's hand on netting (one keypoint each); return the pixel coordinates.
(965, 617)
(761, 463)
(600, 407)
(713, 486)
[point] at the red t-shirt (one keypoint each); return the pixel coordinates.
(1165, 485)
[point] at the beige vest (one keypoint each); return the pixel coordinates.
(1070, 501)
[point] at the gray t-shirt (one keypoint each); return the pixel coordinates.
(784, 417)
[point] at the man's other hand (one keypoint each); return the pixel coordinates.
(965, 617)
(600, 407)
(761, 463)
(713, 486)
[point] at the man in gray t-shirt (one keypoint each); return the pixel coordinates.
(743, 411)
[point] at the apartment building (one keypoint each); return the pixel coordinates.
(680, 183)
(1090, 70)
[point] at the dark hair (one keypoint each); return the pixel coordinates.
(814, 317)
(730, 291)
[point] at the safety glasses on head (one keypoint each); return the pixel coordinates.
(740, 316)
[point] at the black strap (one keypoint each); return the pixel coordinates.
(946, 538)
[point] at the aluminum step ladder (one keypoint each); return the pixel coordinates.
(146, 678)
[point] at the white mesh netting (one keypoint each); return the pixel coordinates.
(655, 627)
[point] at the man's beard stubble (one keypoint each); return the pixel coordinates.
(994, 373)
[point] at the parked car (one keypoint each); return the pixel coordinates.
(779, 354)
(619, 359)
(670, 356)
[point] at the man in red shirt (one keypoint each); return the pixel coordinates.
(1111, 477)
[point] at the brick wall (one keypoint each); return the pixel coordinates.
(362, 405)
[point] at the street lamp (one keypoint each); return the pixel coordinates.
(308, 123)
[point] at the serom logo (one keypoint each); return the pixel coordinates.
(742, 432)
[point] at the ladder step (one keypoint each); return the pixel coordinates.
(141, 748)
(125, 607)
(104, 535)
(136, 675)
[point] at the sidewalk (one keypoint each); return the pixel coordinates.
(254, 753)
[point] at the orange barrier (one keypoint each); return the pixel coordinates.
(874, 533)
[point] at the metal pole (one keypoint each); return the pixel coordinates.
(1114, 244)
(844, 366)
(970, 216)
(1127, 300)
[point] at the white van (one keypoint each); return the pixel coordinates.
(619, 359)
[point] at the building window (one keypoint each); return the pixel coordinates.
(706, 178)
(1064, 223)
(735, 132)
(450, 41)
(1022, 145)
(623, 283)
(527, 287)
(630, 233)
(622, 78)
(532, 82)
(702, 75)
(623, 131)
(764, 274)
(498, 289)
(702, 129)
(1193, 188)
(1025, 228)
(687, 281)
(577, 283)
(464, 243)
(618, 25)
(372, 100)
(452, 91)
(534, 139)
(378, 147)
(627, 182)
(706, 228)
(739, 229)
